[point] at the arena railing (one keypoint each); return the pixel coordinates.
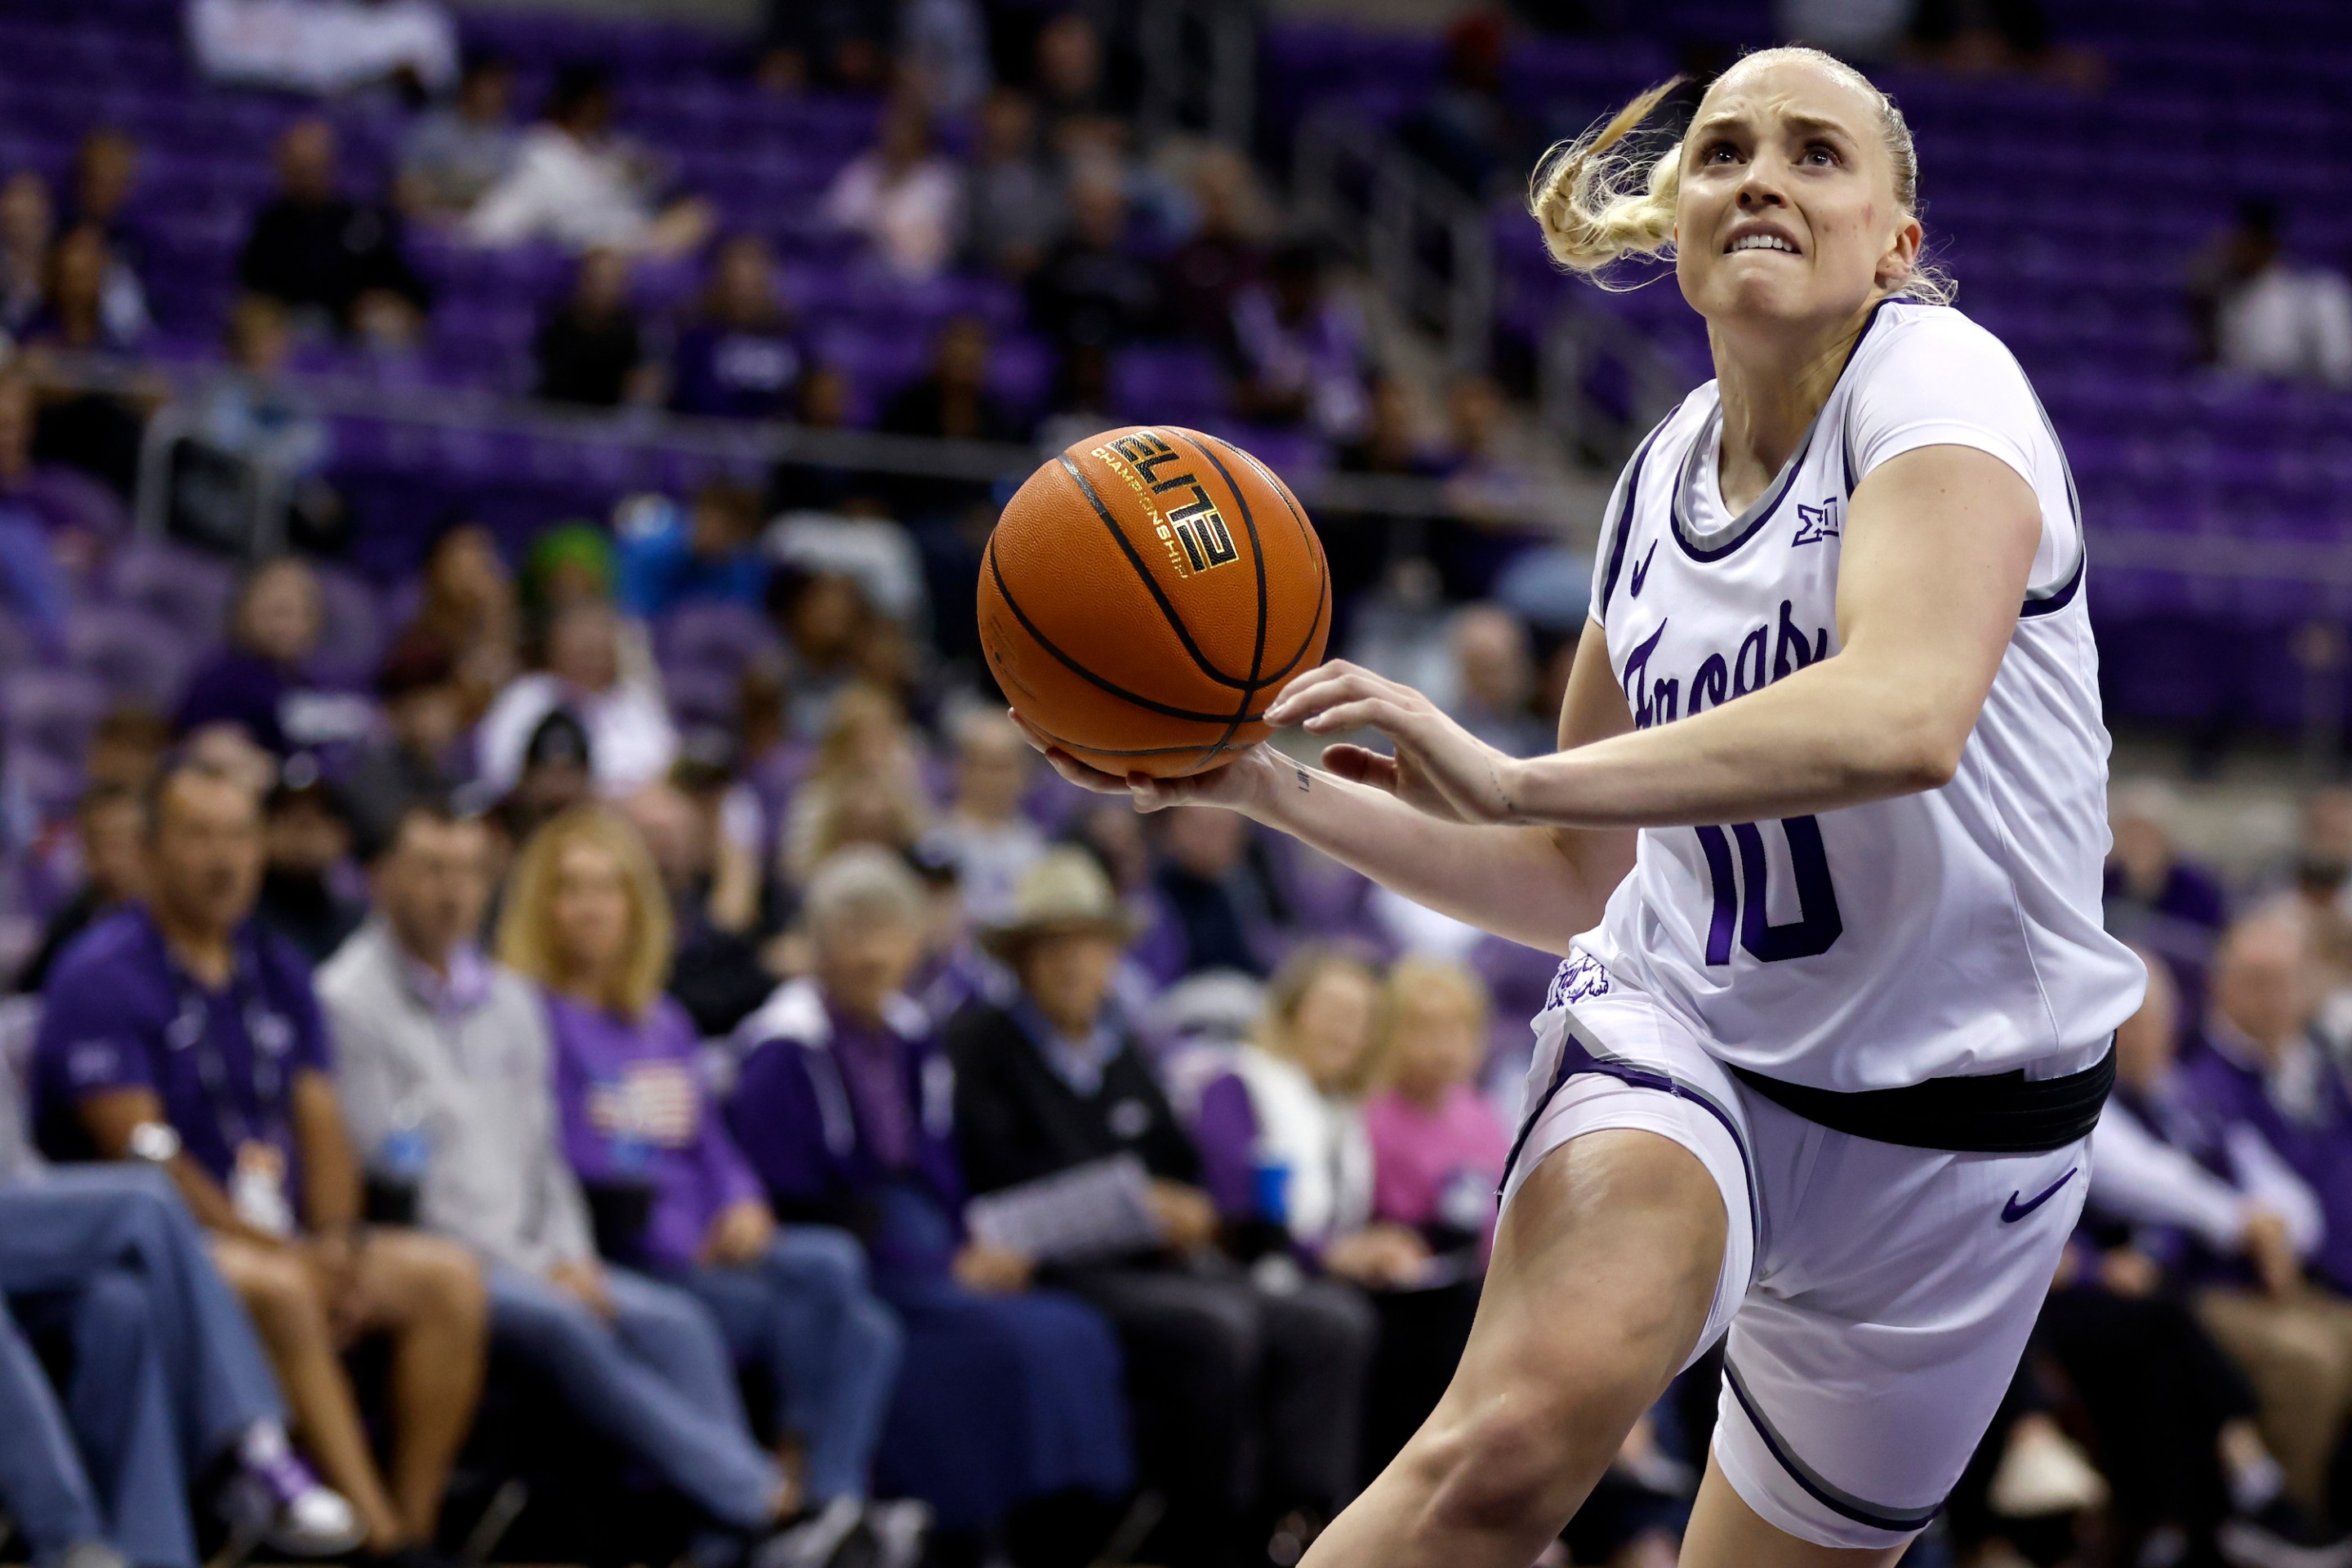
(1569, 511)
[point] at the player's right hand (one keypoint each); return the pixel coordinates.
(1236, 784)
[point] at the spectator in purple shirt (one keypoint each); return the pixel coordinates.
(181, 1033)
(255, 685)
(740, 358)
(591, 923)
(1011, 1397)
(2256, 1063)
(2155, 896)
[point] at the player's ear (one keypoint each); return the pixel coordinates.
(1901, 257)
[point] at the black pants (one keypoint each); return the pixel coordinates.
(2157, 1390)
(1421, 1336)
(1247, 1403)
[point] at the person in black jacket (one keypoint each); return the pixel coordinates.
(1247, 1398)
(313, 248)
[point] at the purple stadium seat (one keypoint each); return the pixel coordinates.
(184, 588)
(50, 782)
(51, 710)
(138, 656)
(352, 639)
(701, 694)
(712, 637)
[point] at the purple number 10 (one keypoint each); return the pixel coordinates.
(1817, 925)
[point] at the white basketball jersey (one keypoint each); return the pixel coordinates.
(1953, 932)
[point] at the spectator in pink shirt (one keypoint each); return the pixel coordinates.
(1438, 1145)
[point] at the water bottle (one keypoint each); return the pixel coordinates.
(1271, 1179)
(396, 1175)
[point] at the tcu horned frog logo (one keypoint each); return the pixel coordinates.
(1195, 536)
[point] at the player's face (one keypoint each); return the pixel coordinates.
(1788, 210)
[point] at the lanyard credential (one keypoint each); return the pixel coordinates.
(269, 1036)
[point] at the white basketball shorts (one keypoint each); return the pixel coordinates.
(1877, 1298)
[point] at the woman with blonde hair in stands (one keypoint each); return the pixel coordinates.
(1438, 1145)
(588, 920)
(865, 785)
(1286, 1153)
(1821, 848)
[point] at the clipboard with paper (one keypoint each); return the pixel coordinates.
(1098, 1209)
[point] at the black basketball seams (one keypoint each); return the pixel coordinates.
(1075, 668)
(1322, 588)
(1151, 583)
(1206, 749)
(1260, 679)
(1257, 558)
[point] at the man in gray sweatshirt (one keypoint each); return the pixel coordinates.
(442, 1062)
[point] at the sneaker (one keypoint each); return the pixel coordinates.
(408, 1557)
(283, 1504)
(92, 1554)
(813, 1541)
(2281, 1535)
(899, 1527)
(2043, 1474)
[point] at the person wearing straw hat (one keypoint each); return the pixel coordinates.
(1244, 1398)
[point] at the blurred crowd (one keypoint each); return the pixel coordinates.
(875, 1144)
(1051, 1176)
(648, 1030)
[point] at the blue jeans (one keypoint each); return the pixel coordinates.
(167, 1371)
(41, 1477)
(803, 1314)
(655, 1381)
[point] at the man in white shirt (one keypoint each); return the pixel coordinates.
(577, 183)
(631, 741)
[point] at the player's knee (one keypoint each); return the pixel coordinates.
(1509, 1463)
(1528, 1452)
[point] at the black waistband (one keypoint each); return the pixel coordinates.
(2001, 1114)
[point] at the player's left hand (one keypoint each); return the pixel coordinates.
(1438, 767)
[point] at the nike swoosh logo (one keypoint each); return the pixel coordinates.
(1643, 570)
(2013, 1210)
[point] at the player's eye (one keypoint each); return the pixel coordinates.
(1820, 154)
(1718, 152)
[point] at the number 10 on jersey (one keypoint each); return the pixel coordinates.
(1817, 925)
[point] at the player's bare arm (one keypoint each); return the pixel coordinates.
(1938, 547)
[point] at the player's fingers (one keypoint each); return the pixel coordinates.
(1151, 794)
(1317, 691)
(1304, 693)
(1374, 712)
(1029, 733)
(1085, 777)
(1361, 765)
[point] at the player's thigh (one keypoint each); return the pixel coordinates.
(1616, 1236)
(1724, 1532)
(1606, 1264)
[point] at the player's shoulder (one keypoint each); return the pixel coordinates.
(1907, 337)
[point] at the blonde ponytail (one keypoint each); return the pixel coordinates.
(1598, 201)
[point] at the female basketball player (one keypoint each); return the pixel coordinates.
(1828, 813)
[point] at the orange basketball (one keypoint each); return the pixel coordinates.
(1145, 593)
